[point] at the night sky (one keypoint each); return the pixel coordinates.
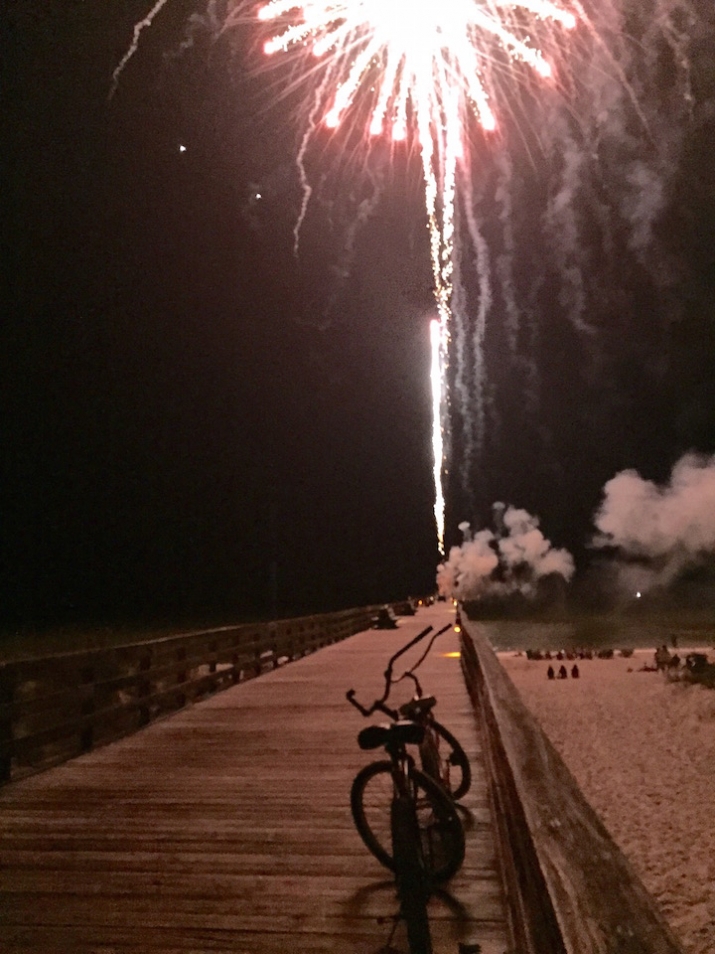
(199, 426)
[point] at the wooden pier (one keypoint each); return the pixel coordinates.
(224, 825)
(227, 827)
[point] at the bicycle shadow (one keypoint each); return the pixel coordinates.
(378, 901)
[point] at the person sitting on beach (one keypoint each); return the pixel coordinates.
(574, 672)
(662, 658)
(562, 673)
(550, 672)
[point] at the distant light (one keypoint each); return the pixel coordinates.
(258, 195)
(638, 595)
(182, 148)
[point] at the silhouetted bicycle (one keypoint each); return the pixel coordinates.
(426, 838)
(441, 755)
(404, 816)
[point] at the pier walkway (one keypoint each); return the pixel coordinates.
(227, 826)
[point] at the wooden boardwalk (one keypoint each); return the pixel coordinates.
(227, 827)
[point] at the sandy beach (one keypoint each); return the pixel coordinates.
(643, 752)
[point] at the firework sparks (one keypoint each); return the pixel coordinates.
(437, 442)
(435, 70)
(139, 28)
(426, 74)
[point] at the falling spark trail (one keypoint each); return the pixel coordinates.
(436, 377)
(134, 45)
(435, 71)
(483, 269)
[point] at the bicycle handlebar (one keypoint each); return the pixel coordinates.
(424, 655)
(379, 704)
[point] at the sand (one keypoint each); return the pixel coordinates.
(643, 752)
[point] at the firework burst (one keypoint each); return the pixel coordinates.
(426, 71)
(430, 70)
(433, 65)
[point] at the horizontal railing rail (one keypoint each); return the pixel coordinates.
(57, 707)
(570, 888)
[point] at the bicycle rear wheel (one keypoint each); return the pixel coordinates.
(413, 883)
(455, 772)
(440, 828)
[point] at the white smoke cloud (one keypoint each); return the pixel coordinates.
(526, 545)
(497, 564)
(659, 531)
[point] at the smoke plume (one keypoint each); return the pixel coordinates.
(497, 563)
(659, 531)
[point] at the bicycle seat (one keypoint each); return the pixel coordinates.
(417, 707)
(396, 733)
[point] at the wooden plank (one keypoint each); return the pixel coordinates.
(365, 938)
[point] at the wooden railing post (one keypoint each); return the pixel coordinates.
(144, 686)
(181, 675)
(7, 693)
(87, 707)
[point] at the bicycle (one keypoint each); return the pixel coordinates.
(375, 787)
(441, 755)
(426, 834)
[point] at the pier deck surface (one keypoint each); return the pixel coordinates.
(227, 826)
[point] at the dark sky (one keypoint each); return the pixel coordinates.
(185, 403)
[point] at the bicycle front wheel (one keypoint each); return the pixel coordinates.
(440, 828)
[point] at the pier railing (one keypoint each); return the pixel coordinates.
(570, 888)
(60, 706)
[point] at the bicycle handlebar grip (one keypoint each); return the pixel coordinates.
(350, 696)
